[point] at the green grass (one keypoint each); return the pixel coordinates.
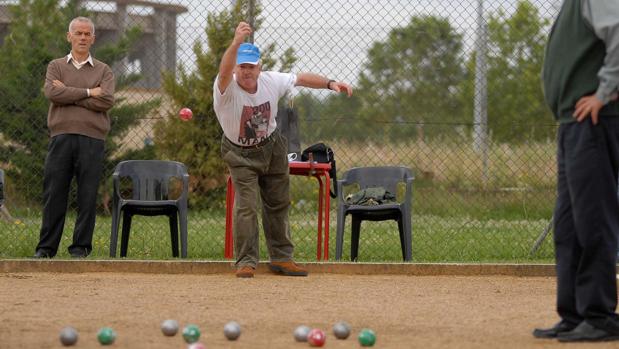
(462, 212)
(435, 238)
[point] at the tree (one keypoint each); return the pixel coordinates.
(412, 78)
(23, 106)
(197, 143)
(516, 108)
(334, 117)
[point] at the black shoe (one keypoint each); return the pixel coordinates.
(79, 253)
(585, 332)
(559, 327)
(42, 254)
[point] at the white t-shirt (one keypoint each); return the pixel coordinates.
(246, 118)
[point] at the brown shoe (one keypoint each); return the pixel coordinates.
(288, 268)
(245, 272)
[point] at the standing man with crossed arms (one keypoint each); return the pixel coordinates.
(80, 89)
(245, 102)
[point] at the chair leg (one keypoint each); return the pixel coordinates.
(408, 236)
(174, 233)
(124, 240)
(182, 216)
(402, 239)
(339, 235)
(354, 240)
(116, 211)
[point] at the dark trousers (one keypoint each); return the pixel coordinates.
(68, 156)
(587, 221)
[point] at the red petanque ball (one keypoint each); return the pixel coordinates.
(316, 338)
(185, 114)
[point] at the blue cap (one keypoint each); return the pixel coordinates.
(248, 53)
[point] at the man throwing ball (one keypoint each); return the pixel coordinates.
(245, 102)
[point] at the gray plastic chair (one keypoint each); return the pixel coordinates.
(386, 177)
(150, 181)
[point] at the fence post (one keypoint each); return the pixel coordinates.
(480, 130)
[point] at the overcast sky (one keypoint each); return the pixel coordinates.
(332, 37)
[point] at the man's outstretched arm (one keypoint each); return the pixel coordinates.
(312, 80)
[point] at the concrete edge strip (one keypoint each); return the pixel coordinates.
(222, 267)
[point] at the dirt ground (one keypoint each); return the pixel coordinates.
(404, 311)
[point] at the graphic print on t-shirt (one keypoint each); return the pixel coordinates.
(254, 124)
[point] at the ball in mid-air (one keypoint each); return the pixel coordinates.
(185, 114)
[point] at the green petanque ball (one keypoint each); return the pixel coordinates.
(106, 336)
(191, 333)
(367, 337)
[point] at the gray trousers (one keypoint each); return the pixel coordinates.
(261, 168)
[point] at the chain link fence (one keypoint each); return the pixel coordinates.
(449, 89)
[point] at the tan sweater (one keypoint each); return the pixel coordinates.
(70, 109)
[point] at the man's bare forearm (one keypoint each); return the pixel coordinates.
(228, 60)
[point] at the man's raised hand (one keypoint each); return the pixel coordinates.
(242, 31)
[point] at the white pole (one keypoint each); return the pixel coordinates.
(251, 19)
(480, 128)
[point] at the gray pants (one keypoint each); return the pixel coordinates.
(263, 167)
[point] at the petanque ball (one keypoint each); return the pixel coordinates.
(185, 114)
(232, 330)
(341, 330)
(316, 337)
(301, 332)
(191, 333)
(106, 336)
(68, 336)
(169, 327)
(367, 337)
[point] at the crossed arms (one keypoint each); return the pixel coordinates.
(101, 97)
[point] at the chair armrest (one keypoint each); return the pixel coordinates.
(409, 190)
(116, 183)
(340, 190)
(185, 180)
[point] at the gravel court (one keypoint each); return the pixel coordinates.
(405, 311)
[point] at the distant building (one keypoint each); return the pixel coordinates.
(153, 53)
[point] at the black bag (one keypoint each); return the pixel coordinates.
(322, 153)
